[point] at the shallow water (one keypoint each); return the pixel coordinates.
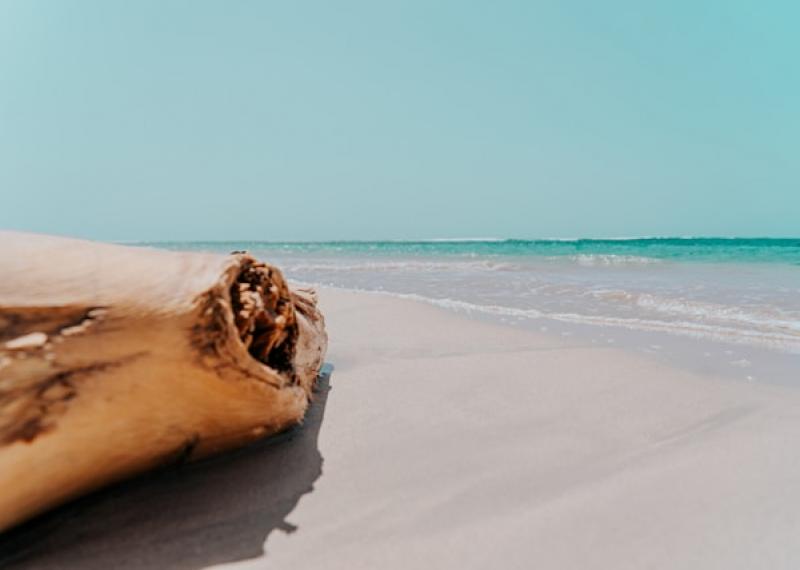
(726, 306)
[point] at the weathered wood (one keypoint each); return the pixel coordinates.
(115, 359)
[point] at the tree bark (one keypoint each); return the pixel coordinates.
(115, 360)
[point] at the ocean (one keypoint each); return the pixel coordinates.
(728, 306)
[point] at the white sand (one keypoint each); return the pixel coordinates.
(451, 443)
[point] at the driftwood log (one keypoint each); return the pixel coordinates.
(115, 360)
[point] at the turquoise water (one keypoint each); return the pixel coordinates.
(709, 250)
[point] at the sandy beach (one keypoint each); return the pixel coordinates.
(446, 442)
(455, 444)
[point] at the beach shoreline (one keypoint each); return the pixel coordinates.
(450, 442)
(717, 357)
(725, 307)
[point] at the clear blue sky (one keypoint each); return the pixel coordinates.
(414, 119)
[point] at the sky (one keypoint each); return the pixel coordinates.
(166, 120)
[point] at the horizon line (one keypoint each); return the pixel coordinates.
(463, 240)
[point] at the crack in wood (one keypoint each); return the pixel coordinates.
(19, 321)
(31, 410)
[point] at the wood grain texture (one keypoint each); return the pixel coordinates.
(115, 359)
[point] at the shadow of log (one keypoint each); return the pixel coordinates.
(218, 510)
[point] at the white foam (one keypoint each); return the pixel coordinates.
(405, 265)
(783, 341)
(609, 260)
(786, 341)
(715, 312)
(465, 306)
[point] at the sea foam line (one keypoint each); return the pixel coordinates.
(401, 266)
(787, 342)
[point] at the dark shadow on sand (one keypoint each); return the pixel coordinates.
(192, 516)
